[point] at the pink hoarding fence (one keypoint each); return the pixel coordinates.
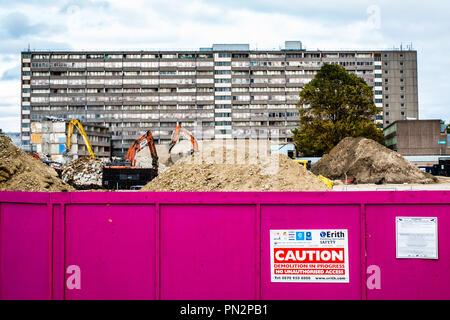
(225, 245)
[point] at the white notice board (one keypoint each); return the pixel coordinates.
(416, 237)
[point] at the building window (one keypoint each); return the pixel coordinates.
(223, 115)
(387, 113)
(402, 105)
(223, 123)
(377, 59)
(386, 71)
(222, 80)
(402, 97)
(402, 113)
(401, 80)
(224, 55)
(387, 105)
(222, 97)
(386, 97)
(401, 63)
(378, 75)
(401, 71)
(385, 55)
(222, 64)
(402, 88)
(387, 121)
(378, 100)
(386, 88)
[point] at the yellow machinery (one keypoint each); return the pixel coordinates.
(325, 180)
(303, 162)
(307, 164)
(80, 129)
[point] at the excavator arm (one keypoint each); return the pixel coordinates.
(138, 144)
(77, 124)
(184, 133)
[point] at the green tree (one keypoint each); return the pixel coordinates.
(335, 104)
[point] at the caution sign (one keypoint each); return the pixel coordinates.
(309, 255)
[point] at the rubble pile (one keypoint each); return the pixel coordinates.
(20, 171)
(248, 171)
(84, 173)
(367, 161)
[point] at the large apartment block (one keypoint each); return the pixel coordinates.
(226, 91)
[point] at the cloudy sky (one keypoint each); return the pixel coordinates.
(161, 24)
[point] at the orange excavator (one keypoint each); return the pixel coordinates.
(124, 174)
(184, 133)
(145, 140)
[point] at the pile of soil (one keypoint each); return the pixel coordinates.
(21, 172)
(369, 162)
(202, 172)
(84, 173)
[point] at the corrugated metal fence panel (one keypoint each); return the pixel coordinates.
(182, 245)
(211, 245)
(312, 216)
(25, 244)
(407, 278)
(114, 247)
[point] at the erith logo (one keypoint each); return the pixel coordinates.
(332, 234)
(330, 237)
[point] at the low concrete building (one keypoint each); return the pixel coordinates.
(48, 140)
(287, 149)
(417, 137)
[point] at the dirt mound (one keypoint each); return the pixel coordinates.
(83, 173)
(369, 162)
(202, 172)
(21, 172)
